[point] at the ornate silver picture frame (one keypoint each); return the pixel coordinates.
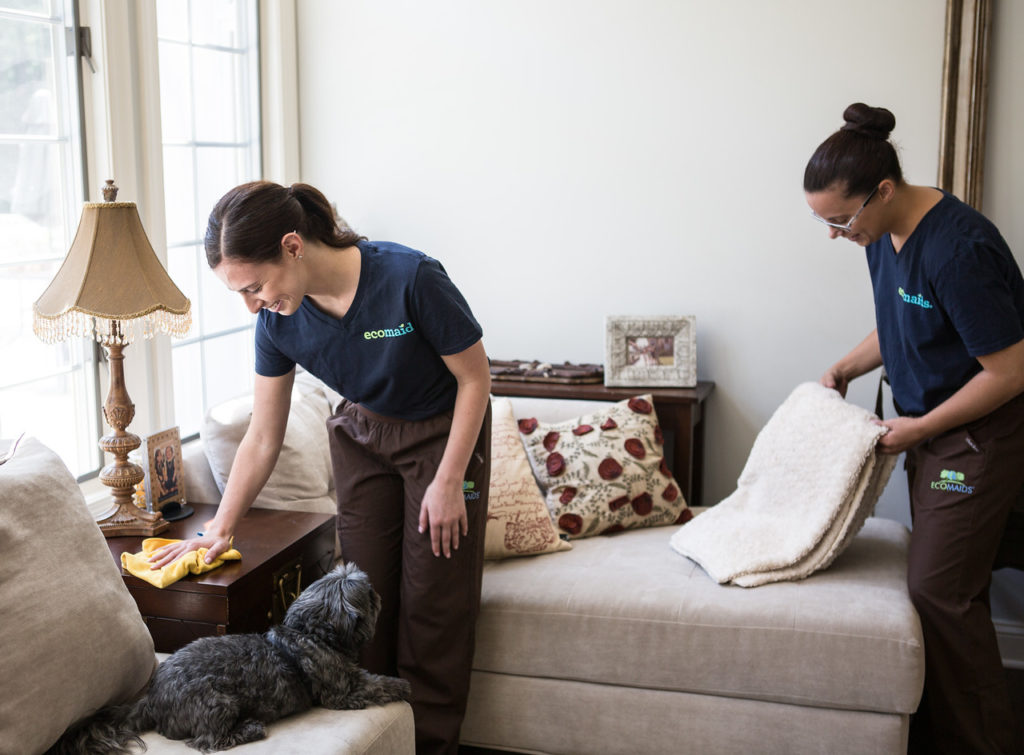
(651, 351)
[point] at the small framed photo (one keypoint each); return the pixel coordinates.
(647, 352)
(165, 472)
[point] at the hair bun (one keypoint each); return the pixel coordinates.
(874, 122)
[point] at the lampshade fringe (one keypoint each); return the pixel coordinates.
(81, 324)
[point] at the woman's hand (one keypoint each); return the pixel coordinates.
(904, 433)
(835, 380)
(864, 357)
(443, 513)
(216, 544)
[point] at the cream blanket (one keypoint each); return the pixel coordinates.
(811, 480)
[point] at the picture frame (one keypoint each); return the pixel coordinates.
(165, 474)
(649, 352)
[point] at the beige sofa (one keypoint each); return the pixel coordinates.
(620, 645)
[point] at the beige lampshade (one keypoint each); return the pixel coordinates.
(111, 285)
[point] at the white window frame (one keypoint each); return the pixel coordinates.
(60, 20)
(208, 337)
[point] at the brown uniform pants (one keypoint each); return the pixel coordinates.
(426, 629)
(963, 484)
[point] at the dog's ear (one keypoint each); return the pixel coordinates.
(360, 604)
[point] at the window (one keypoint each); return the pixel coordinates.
(209, 95)
(47, 390)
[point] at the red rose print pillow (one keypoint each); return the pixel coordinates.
(605, 472)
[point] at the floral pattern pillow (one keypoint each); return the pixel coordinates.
(605, 472)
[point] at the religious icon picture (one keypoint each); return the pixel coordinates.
(165, 474)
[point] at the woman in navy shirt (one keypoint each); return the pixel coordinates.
(949, 311)
(384, 326)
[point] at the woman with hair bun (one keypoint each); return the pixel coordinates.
(949, 313)
(385, 327)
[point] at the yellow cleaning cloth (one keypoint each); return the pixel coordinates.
(191, 563)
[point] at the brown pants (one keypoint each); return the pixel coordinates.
(426, 629)
(963, 484)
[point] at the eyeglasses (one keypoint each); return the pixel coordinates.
(848, 225)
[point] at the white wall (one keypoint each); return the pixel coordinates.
(569, 159)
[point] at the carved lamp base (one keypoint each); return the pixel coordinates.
(122, 475)
(131, 520)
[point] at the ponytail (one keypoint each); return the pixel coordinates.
(249, 222)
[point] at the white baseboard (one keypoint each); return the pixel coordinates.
(1011, 643)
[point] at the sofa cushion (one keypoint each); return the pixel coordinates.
(71, 635)
(375, 730)
(518, 522)
(627, 610)
(303, 479)
(605, 471)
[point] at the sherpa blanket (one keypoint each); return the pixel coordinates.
(810, 482)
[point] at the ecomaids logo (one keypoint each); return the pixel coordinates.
(919, 300)
(952, 482)
(401, 330)
(469, 491)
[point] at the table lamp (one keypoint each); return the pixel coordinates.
(112, 287)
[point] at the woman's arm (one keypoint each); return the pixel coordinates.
(443, 510)
(864, 357)
(1001, 379)
(250, 470)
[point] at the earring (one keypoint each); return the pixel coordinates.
(300, 256)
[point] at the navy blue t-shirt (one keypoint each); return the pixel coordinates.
(953, 293)
(385, 353)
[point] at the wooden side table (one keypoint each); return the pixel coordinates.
(282, 552)
(680, 414)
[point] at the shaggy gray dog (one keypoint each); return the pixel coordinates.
(218, 692)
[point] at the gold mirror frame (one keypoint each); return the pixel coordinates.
(964, 99)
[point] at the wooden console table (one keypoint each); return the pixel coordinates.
(680, 414)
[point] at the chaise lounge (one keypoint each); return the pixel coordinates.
(620, 645)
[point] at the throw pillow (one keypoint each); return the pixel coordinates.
(72, 637)
(606, 471)
(303, 478)
(518, 523)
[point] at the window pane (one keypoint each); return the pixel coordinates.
(37, 196)
(219, 169)
(176, 86)
(32, 219)
(46, 390)
(184, 271)
(172, 20)
(218, 22)
(222, 309)
(27, 96)
(20, 286)
(30, 6)
(217, 91)
(51, 411)
(179, 195)
(222, 357)
(188, 388)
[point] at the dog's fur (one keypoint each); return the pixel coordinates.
(218, 692)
